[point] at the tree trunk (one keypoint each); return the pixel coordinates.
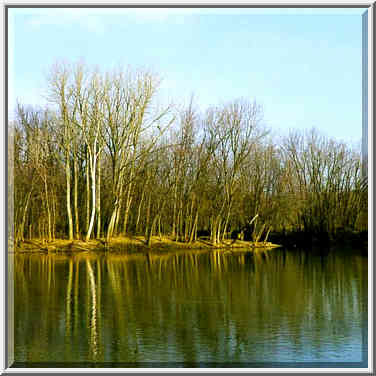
(159, 228)
(68, 184)
(139, 209)
(226, 224)
(219, 230)
(117, 216)
(128, 202)
(75, 199)
(267, 234)
(144, 185)
(110, 229)
(22, 226)
(120, 204)
(111, 224)
(93, 167)
(147, 216)
(53, 216)
(39, 230)
(187, 223)
(192, 236)
(150, 234)
(99, 201)
(87, 191)
(174, 213)
(179, 234)
(213, 230)
(258, 236)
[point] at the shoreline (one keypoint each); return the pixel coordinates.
(133, 243)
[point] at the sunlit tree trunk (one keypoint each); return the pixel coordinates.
(87, 191)
(98, 201)
(128, 202)
(23, 221)
(47, 202)
(140, 204)
(68, 195)
(75, 197)
(93, 169)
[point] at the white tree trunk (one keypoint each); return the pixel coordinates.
(93, 166)
(69, 210)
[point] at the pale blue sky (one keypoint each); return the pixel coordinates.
(304, 66)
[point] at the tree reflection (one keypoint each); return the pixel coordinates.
(196, 306)
(93, 323)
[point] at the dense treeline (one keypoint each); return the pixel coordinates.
(105, 160)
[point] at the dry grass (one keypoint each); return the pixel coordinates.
(131, 243)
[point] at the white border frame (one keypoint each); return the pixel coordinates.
(266, 3)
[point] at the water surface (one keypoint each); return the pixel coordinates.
(191, 308)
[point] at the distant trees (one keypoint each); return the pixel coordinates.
(130, 133)
(104, 160)
(35, 159)
(188, 164)
(232, 131)
(327, 181)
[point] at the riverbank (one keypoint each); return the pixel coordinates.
(134, 243)
(304, 240)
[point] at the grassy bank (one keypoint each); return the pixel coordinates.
(136, 243)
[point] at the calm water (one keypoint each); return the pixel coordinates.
(194, 308)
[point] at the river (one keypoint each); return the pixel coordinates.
(277, 308)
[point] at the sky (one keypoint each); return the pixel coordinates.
(304, 66)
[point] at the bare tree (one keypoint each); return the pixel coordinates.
(61, 94)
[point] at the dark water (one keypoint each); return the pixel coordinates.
(195, 308)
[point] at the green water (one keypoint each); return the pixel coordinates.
(191, 308)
